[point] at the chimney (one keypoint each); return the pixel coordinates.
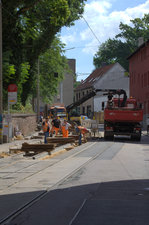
(104, 64)
(140, 41)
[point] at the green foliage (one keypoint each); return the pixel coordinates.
(29, 28)
(124, 43)
(19, 108)
(8, 69)
(139, 28)
(24, 75)
(112, 51)
(76, 84)
(52, 61)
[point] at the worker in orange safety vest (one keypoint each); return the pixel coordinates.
(46, 129)
(83, 131)
(65, 128)
(56, 125)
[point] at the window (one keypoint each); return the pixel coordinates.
(145, 79)
(83, 110)
(132, 78)
(145, 53)
(78, 109)
(144, 107)
(142, 80)
(89, 114)
(77, 97)
(138, 79)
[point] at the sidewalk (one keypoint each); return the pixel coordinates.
(4, 148)
(17, 143)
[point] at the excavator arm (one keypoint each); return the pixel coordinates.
(81, 100)
(108, 92)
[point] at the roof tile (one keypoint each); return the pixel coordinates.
(93, 77)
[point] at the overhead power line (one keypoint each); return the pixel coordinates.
(91, 30)
(80, 47)
(82, 74)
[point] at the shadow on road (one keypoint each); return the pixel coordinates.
(124, 139)
(109, 203)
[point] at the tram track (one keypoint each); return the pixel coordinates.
(34, 163)
(6, 220)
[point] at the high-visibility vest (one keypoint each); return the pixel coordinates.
(45, 127)
(64, 131)
(83, 129)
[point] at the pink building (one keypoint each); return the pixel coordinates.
(139, 76)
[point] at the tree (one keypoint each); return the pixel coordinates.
(112, 51)
(52, 62)
(139, 28)
(124, 43)
(29, 27)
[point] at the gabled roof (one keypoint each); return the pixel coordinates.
(93, 77)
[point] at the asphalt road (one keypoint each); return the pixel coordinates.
(97, 183)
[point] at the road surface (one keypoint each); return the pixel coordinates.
(98, 183)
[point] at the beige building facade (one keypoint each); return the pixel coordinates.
(65, 90)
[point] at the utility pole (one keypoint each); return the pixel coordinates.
(38, 93)
(1, 79)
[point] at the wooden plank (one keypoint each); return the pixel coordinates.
(37, 148)
(37, 137)
(60, 140)
(48, 145)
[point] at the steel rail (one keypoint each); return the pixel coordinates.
(54, 163)
(7, 220)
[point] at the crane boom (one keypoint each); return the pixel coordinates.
(91, 94)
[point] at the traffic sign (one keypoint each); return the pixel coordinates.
(12, 97)
(12, 94)
(12, 88)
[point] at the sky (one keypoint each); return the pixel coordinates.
(100, 22)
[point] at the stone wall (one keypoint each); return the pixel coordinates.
(26, 123)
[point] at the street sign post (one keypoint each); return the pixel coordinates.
(12, 99)
(12, 94)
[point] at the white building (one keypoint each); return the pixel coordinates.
(107, 77)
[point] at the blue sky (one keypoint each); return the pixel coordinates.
(103, 17)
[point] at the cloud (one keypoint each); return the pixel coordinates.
(69, 38)
(95, 8)
(105, 23)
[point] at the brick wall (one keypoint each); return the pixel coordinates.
(26, 123)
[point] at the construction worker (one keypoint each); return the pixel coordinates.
(46, 129)
(56, 125)
(78, 132)
(83, 131)
(65, 128)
